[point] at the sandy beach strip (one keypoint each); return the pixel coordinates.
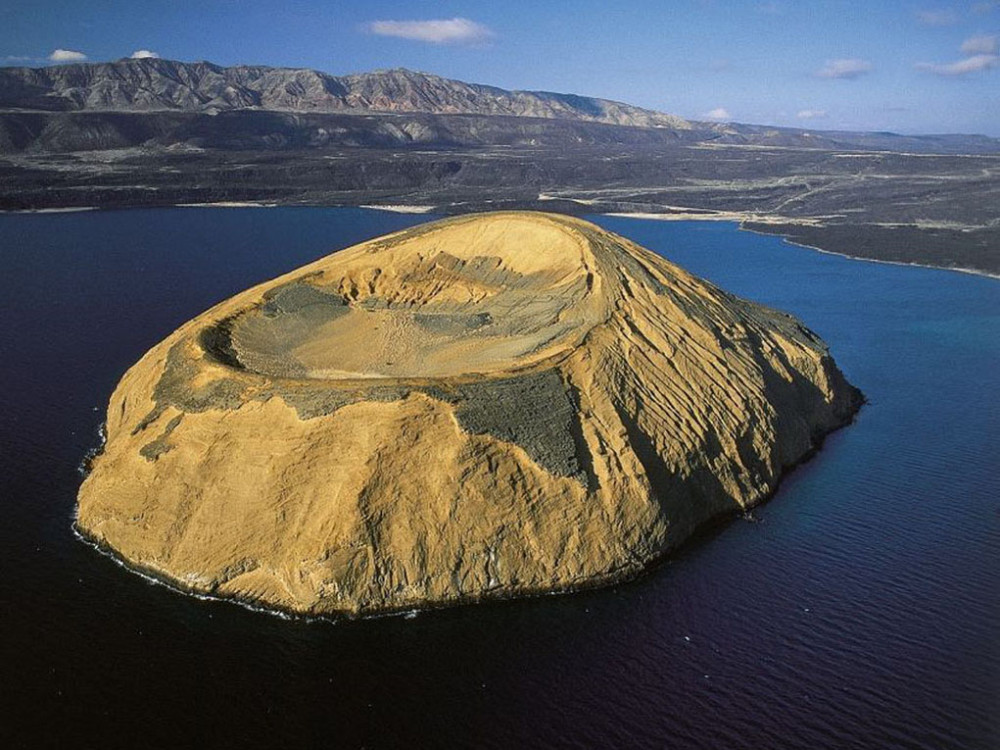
(227, 204)
(71, 210)
(399, 208)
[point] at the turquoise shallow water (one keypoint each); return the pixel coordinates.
(859, 610)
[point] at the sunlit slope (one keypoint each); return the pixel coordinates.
(485, 406)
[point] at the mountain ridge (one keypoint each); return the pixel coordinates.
(155, 85)
(157, 88)
(158, 132)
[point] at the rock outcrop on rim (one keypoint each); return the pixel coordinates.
(481, 407)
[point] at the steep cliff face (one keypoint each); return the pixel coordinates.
(481, 407)
(152, 84)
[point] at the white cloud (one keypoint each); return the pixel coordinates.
(945, 17)
(719, 113)
(67, 55)
(844, 68)
(770, 9)
(18, 58)
(982, 52)
(440, 31)
(142, 54)
(811, 114)
(972, 64)
(981, 44)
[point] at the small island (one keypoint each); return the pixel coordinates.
(487, 406)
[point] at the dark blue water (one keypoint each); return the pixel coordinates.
(860, 611)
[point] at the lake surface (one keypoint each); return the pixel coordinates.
(861, 610)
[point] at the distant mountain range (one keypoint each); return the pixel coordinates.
(148, 85)
(84, 107)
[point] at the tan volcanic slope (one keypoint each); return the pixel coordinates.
(484, 406)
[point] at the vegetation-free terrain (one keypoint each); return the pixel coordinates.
(157, 132)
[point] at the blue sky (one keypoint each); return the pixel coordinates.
(912, 67)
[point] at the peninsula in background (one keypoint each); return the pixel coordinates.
(152, 132)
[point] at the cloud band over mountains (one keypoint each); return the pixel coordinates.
(434, 31)
(67, 56)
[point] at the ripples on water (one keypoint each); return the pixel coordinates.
(859, 610)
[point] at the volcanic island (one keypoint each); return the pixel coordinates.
(487, 406)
